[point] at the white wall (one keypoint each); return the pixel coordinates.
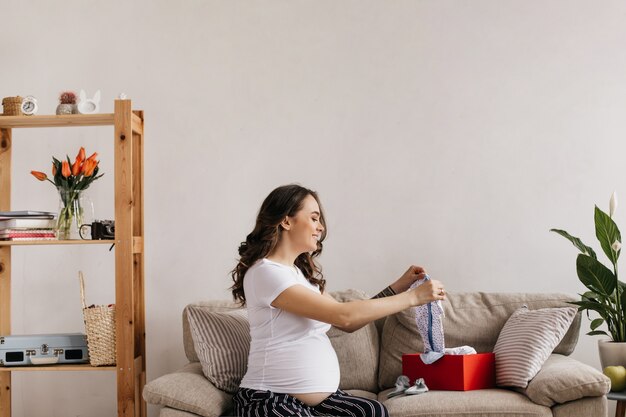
(450, 134)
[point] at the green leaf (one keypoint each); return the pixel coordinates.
(595, 276)
(596, 323)
(597, 332)
(576, 242)
(589, 295)
(604, 310)
(607, 233)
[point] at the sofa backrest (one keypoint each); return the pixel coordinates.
(473, 319)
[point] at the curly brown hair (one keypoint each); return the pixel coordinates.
(283, 201)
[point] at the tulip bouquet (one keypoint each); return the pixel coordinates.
(607, 294)
(71, 179)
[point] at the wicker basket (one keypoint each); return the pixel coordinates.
(12, 106)
(100, 329)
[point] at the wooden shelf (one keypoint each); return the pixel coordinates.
(76, 367)
(67, 120)
(54, 242)
(128, 139)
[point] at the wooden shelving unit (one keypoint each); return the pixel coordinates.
(129, 251)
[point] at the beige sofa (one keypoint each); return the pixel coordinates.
(370, 361)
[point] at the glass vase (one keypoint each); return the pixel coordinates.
(75, 209)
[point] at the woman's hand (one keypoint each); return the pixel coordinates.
(408, 278)
(431, 290)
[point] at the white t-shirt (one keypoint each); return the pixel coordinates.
(288, 353)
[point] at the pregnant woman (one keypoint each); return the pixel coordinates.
(292, 366)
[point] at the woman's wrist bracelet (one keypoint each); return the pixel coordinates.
(387, 292)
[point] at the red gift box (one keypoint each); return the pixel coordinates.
(453, 372)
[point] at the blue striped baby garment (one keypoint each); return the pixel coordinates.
(429, 320)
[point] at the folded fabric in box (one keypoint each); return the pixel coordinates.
(453, 372)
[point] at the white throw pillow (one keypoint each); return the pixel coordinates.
(222, 343)
(526, 341)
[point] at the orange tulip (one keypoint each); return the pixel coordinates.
(93, 156)
(65, 169)
(76, 167)
(85, 165)
(81, 154)
(39, 175)
(54, 170)
(92, 166)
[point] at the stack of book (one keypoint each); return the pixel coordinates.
(27, 225)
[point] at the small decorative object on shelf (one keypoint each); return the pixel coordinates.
(89, 105)
(67, 103)
(71, 180)
(12, 106)
(29, 105)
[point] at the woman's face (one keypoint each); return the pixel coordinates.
(306, 227)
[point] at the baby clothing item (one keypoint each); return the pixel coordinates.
(418, 388)
(403, 386)
(402, 383)
(431, 357)
(461, 350)
(429, 320)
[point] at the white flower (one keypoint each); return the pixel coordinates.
(613, 204)
(616, 246)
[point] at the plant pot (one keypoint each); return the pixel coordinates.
(66, 108)
(612, 353)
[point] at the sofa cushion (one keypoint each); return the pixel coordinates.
(363, 394)
(222, 342)
(188, 390)
(357, 352)
(590, 406)
(208, 306)
(478, 403)
(172, 412)
(526, 341)
(473, 319)
(562, 379)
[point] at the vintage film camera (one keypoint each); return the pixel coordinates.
(100, 230)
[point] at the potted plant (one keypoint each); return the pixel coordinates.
(606, 294)
(67, 103)
(71, 180)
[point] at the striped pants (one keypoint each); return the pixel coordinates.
(253, 403)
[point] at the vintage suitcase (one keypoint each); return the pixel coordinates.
(43, 349)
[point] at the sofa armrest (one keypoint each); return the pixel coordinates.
(562, 379)
(188, 389)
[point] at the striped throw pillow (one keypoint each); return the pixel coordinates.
(527, 340)
(222, 343)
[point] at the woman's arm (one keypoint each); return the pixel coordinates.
(387, 292)
(404, 282)
(353, 315)
(408, 278)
